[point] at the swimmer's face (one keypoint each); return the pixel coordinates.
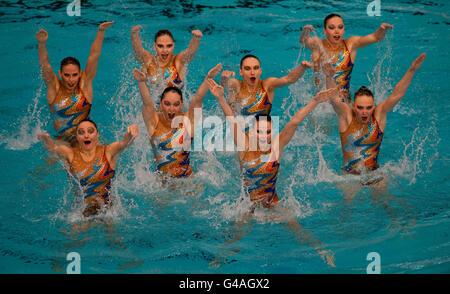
(87, 135)
(164, 46)
(250, 71)
(363, 107)
(70, 75)
(263, 131)
(334, 30)
(171, 105)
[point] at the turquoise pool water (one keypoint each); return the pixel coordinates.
(164, 231)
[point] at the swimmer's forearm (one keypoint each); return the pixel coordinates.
(43, 54)
(296, 74)
(304, 37)
(225, 107)
(96, 47)
(192, 48)
(138, 49)
(145, 95)
(379, 34)
(402, 86)
(303, 113)
(44, 62)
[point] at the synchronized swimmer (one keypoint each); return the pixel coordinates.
(361, 124)
(341, 53)
(70, 98)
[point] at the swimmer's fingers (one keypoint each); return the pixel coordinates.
(418, 61)
(306, 64)
(228, 73)
(386, 26)
(139, 75)
(197, 33)
(104, 26)
(215, 70)
(133, 130)
(136, 29)
(43, 137)
(324, 95)
(308, 28)
(42, 36)
(215, 89)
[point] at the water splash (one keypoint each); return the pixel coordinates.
(30, 126)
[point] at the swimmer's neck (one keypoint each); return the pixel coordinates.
(250, 88)
(88, 154)
(332, 46)
(163, 64)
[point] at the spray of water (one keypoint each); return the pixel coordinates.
(30, 125)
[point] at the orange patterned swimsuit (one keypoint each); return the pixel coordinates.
(171, 75)
(67, 112)
(94, 176)
(260, 177)
(171, 149)
(343, 67)
(361, 145)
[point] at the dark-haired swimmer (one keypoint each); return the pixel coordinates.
(341, 53)
(255, 96)
(165, 66)
(91, 163)
(171, 130)
(70, 98)
(362, 125)
(261, 161)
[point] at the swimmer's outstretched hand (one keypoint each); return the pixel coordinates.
(136, 29)
(215, 89)
(214, 71)
(197, 33)
(42, 36)
(418, 62)
(139, 75)
(132, 132)
(227, 74)
(104, 26)
(324, 95)
(306, 64)
(44, 137)
(308, 28)
(386, 26)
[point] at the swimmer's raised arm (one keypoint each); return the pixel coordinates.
(48, 75)
(236, 131)
(399, 91)
(358, 42)
(140, 53)
(230, 84)
(289, 130)
(96, 49)
(311, 43)
(187, 55)
(114, 149)
(292, 77)
(197, 100)
(50, 146)
(148, 110)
